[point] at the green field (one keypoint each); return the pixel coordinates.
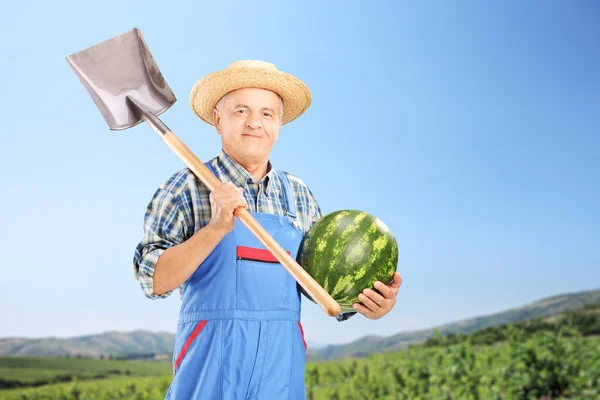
(551, 358)
(543, 366)
(140, 388)
(546, 363)
(50, 378)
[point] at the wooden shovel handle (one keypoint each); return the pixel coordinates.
(316, 291)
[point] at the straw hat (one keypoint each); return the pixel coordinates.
(250, 73)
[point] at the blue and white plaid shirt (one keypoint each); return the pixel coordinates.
(181, 206)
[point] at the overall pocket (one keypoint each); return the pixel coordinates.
(262, 282)
(186, 346)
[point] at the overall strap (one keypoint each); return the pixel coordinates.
(287, 194)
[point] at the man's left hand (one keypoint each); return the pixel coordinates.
(376, 305)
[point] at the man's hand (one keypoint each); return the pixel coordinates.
(224, 199)
(376, 305)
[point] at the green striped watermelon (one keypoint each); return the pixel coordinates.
(346, 252)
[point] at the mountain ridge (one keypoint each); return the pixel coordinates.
(540, 308)
(141, 343)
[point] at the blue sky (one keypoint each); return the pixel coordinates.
(471, 130)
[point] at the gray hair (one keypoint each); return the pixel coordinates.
(224, 98)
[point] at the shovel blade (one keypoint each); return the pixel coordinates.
(120, 67)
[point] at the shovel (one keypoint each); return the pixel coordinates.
(126, 85)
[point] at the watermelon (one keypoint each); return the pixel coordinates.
(346, 252)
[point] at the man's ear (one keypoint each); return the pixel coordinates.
(217, 119)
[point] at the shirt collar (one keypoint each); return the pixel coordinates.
(238, 175)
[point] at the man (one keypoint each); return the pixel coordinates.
(239, 334)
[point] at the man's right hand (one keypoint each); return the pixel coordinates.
(178, 263)
(224, 199)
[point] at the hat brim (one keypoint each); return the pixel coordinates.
(208, 91)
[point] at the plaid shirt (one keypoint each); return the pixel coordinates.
(181, 206)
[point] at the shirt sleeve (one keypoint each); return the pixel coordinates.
(315, 212)
(164, 227)
(345, 316)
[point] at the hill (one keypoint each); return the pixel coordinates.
(135, 345)
(550, 306)
(142, 344)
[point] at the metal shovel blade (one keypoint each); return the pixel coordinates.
(120, 67)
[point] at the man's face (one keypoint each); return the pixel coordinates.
(248, 122)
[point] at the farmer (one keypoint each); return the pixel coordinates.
(239, 334)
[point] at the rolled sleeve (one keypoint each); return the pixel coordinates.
(164, 227)
(315, 213)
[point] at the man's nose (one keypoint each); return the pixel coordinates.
(254, 122)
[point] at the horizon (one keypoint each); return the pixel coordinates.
(316, 342)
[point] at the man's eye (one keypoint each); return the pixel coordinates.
(267, 114)
(239, 111)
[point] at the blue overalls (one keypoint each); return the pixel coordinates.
(239, 334)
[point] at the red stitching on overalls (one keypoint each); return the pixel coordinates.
(302, 332)
(188, 343)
